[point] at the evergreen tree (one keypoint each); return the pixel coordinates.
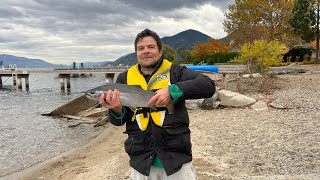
(304, 20)
(169, 53)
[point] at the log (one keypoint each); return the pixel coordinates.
(101, 122)
(81, 119)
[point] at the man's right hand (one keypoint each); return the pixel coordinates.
(111, 100)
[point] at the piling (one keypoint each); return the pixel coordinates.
(14, 79)
(19, 78)
(109, 78)
(68, 83)
(62, 83)
(27, 83)
(0, 82)
(19, 83)
(65, 78)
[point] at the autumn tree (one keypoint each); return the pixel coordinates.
(204, 50)
(260, 55)
(249, 20)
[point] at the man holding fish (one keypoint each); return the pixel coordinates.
(158, 131)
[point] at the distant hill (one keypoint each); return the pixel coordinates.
(185, 39)
(22, 62)
(127, 60)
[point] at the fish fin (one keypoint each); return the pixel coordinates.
(153, 107)
(170, 107)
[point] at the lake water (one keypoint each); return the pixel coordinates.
(27, 137)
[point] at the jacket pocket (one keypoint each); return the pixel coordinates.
(134, 145)
(178, 139)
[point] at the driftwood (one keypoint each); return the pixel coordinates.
(88, 120)
(77, 120)
(79, 104)
(81, 110)
(102, 121)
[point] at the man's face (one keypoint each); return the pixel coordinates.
(148, 52)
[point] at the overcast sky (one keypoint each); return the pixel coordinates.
(63, 31)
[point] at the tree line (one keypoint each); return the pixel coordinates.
(260, 31)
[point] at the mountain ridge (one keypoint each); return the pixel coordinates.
(23, 62)
(186, 39)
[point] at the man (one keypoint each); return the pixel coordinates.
(158, 143)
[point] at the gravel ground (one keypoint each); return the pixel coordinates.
(228, 143)
(270, 144)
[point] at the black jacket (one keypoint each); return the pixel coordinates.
(171, 144)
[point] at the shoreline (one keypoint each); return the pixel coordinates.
(227, 143)
(38, 170)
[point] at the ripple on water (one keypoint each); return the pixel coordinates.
(27, 137)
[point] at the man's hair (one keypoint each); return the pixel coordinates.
(145, 33)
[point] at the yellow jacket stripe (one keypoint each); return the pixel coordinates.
(160, 79)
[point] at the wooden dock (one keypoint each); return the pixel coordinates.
(64, 75)
(17, 75)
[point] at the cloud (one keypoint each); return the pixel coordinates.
(98, 30)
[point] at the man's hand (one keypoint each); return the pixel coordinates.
(161, 99)
(111, 100)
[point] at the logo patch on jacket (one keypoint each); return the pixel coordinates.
(162, 77)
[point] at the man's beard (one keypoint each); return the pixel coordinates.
(153, 65)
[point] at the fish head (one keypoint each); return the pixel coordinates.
(94, 94)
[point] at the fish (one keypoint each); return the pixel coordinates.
(132, 96)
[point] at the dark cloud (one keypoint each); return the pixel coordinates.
(168, 5)
(74, 15)
(7, 12)
(99, 27)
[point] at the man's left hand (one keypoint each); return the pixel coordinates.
(161, 99)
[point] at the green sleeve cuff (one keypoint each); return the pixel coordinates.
(124, 111)
(157, 162)
(175, 92)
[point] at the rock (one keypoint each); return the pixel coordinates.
(215, 95)
(206, 104)
(253, 75)
(277, 105)
(193, 104)
(292, 68)
(216, 104)
(260, 106)
(233, 99)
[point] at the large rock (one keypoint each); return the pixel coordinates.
(233, 99)
(260, 106)
(292, 68)
(254, 75)
(193, 104)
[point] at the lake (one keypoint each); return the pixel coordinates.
(27, 137)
